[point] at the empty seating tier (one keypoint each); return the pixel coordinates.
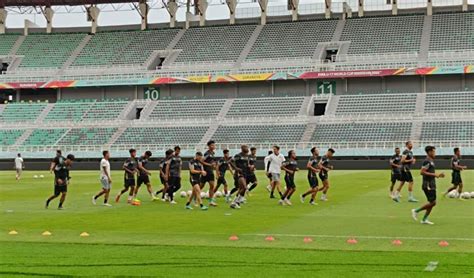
(191, 109)
(6, 43)
(376, 104)
(448, 131)
(452, 32)
(22, 112)
(103, 110)
(44, 137)
(215, 43)
(383, 34)
(256, 134)
(162, 135)
(362, 132)
(9, 136)
(69, 111)
(87, 136)
(48, 51)
(291, 40)
(453, 102)
(270, 107)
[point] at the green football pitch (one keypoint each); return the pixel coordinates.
(159, 239)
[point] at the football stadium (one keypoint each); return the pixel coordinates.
(237, 138)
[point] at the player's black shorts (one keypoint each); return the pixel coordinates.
(194, 181)
(175, 182)
(221, 180)
(430, 194)
(236, 179)
(323, 176)
(143, 180)
(58, 189)
(251, 178)
(128, 182)
(396, 176)
(290, 181)
(406, 176)
(313, 181)
(209, 177)
(456, 178)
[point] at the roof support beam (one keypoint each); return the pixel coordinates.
(48, 15)
(201, 7)
(361, 8)
(263, 9)
(3, 19)
(293, 6)
(232, 5)
(93, 14)
(328, 8)
(172, 9)
(143, 9)
(429, 7)
(394, 7)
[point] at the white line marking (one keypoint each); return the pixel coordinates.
(431, 266)
(366, 237)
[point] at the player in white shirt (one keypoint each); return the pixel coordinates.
(266, 161)
(19, 166)
(275, 161)
(105, 179)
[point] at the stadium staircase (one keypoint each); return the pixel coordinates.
(209, 134)
(17, 45)
(308, 133)
(44, 113)
(331, 106)
(23, 137)
(425, 40)
(148, 109)
(248, 47)
(420, 104)
(116, 135)
(225, 108)
(416, 130)
(76, 53)
(338, 32)
(308, 103)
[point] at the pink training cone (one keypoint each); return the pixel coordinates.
(233, 238)
(397, 242)
(269, 238)
(352, 241)
(307, 240)
(443, 243)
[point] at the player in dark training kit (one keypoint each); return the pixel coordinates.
(456, 179)
(222, 167)
(144, 175)
(209, 163)
(162, 169)
(396, 173)
(196, 173)
(130, 168)
(61, 178)
(240, 164)
(290, 166)
(429, 185)
(325, 167)
(173, 174)
(313, 171)
(252, 178)
(407, 161)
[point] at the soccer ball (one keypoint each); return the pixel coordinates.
(206, 195)
(183, 194)
(190, 192)
(466, 195)
(218, 194)
(472, 195)
(203, 195)
(41, 176)
(453, 194)
(35, 176)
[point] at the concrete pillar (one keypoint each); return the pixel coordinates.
(465, 6)
(3, 19)
(189, 15)
(293, 6)
(143, 9)
(361, 8)
(346, 10)
(232, 5)
(263, 10)
(49, 14)
(93, 13)
(28, 25)
(328, 8)
(172, 9)
(429, 7)
(394, 7)
(201, 8)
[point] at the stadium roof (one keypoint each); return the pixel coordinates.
(6, 3)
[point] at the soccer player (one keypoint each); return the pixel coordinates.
(196, 172)
(240, 164)
(429, 185)
(266, 162)
(53, 163)
(290, 167)
(222, 167)
(407, 161)
(252, 178)
(105, 179)
(456, 179)
(274, 169)
(323, 173)
(163, 180)
(396, 174)
(173, 174)
(61, 178)
(19, 166)
(130, 168)
(144, 175)
(209, 163)
(313, 170)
